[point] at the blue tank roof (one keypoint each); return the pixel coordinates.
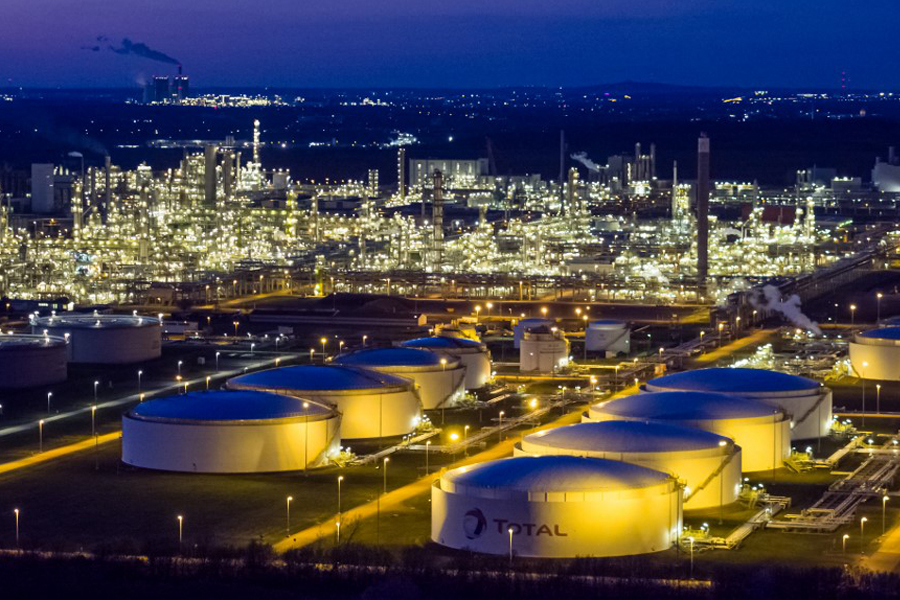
(627, 436)
(558, 473)
(687, 406)
(227, 406)
(441, 343)
(733, 380)
(883, 333)
(318, 378)
(389, 357)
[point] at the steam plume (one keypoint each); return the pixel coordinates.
(770, 299)
(142, 50)
(582, 157)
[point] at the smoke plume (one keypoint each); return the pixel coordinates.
(769, 298)
(140, 49)
(582, 157)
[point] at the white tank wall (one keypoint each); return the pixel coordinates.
(110, 345)
(478, 368)
(33, 366)
(543, 355)
(519, 328)
(436, 388)
(615, 523)
(399, 413)
(242, 447)
(608, 338)
(691, 467)
(882, 361)
(765, 441)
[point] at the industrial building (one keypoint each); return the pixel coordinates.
(371, 404)
(708, 464)
(32, 360)
(440, 380)
(761, 430)
(875, 354)
(807, 401)
(474, 356)
(523, 325)
(556, 507)
(543, 349)
(609, 336)
(229, 432)
(104, 339)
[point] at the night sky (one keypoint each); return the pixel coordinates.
(466, 43)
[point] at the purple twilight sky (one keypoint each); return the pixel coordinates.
(466, 43)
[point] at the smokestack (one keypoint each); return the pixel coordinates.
(437, 215)
(401, 172)
(179, 69)
(107, 167)
(702, 208)
(675, 214)
(209, 174)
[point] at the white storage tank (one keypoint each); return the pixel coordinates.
(105, 339)
(761, 430)
(875, 354)
(371, 404)
(229, 432)
(440, 379)
(543, 349)
(556, 507)
(609, 336)
(474, 356)
(807, 401)
(708, 464)
(523, 325)
(32, 360)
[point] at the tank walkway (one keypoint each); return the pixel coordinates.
(838, 504)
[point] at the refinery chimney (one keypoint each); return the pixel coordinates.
(702, 208)
(437, 216)
(401, 172)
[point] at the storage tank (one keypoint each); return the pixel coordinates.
(609, 336)
(473, 355)
(543, 349)
(440, 379)
(807, 401)
(524, 325)
(32, 360)
(708, 464)
(229, 432)
(761, 430)
(372, 404)
(875, 354)
(105, 339)
(556, 507)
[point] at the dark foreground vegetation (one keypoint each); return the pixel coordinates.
(352, 571)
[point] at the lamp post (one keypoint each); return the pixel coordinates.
(323, 341)
(41, 435)
(49, 395)
(252, 346)
(386, 461)
(288, 506)
(235, 323)
(339, 481)
(884, 500)
(878, 398)
(852, 315)
(93, 420)
(139, 381)
(691, 540)
(306, 438)
(96, 385)
(863, 377)
(510, 531)
(427, 448)
(365, 337)
(180, 531)
(878, 298)
(179, 366)
(207, 382)
(844, 543)
(217, 361)
(862, 535)
(16, 512)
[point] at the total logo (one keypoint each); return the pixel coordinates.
(475, 524)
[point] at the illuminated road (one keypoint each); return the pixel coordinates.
(755, 338)
(887, 557)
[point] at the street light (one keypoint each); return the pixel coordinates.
(139, 381)
(49, 395)
(180, 530)
(96, 384)
(289, 499)
(884, 500)
(235, 323)
(365, 337)
(386, 461)
(510, 531)
(207, 382)
(863, 377)
(217, 361)
(340, 480)
(324, 341)
(16, 512)
(844, 543)
(852, 315)
(427, 447)
(179, 367)
(862, 535)
(878, 398)
(252, 346)
(878, 298)
(93, 420)
(691, 540)
(306, 438)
